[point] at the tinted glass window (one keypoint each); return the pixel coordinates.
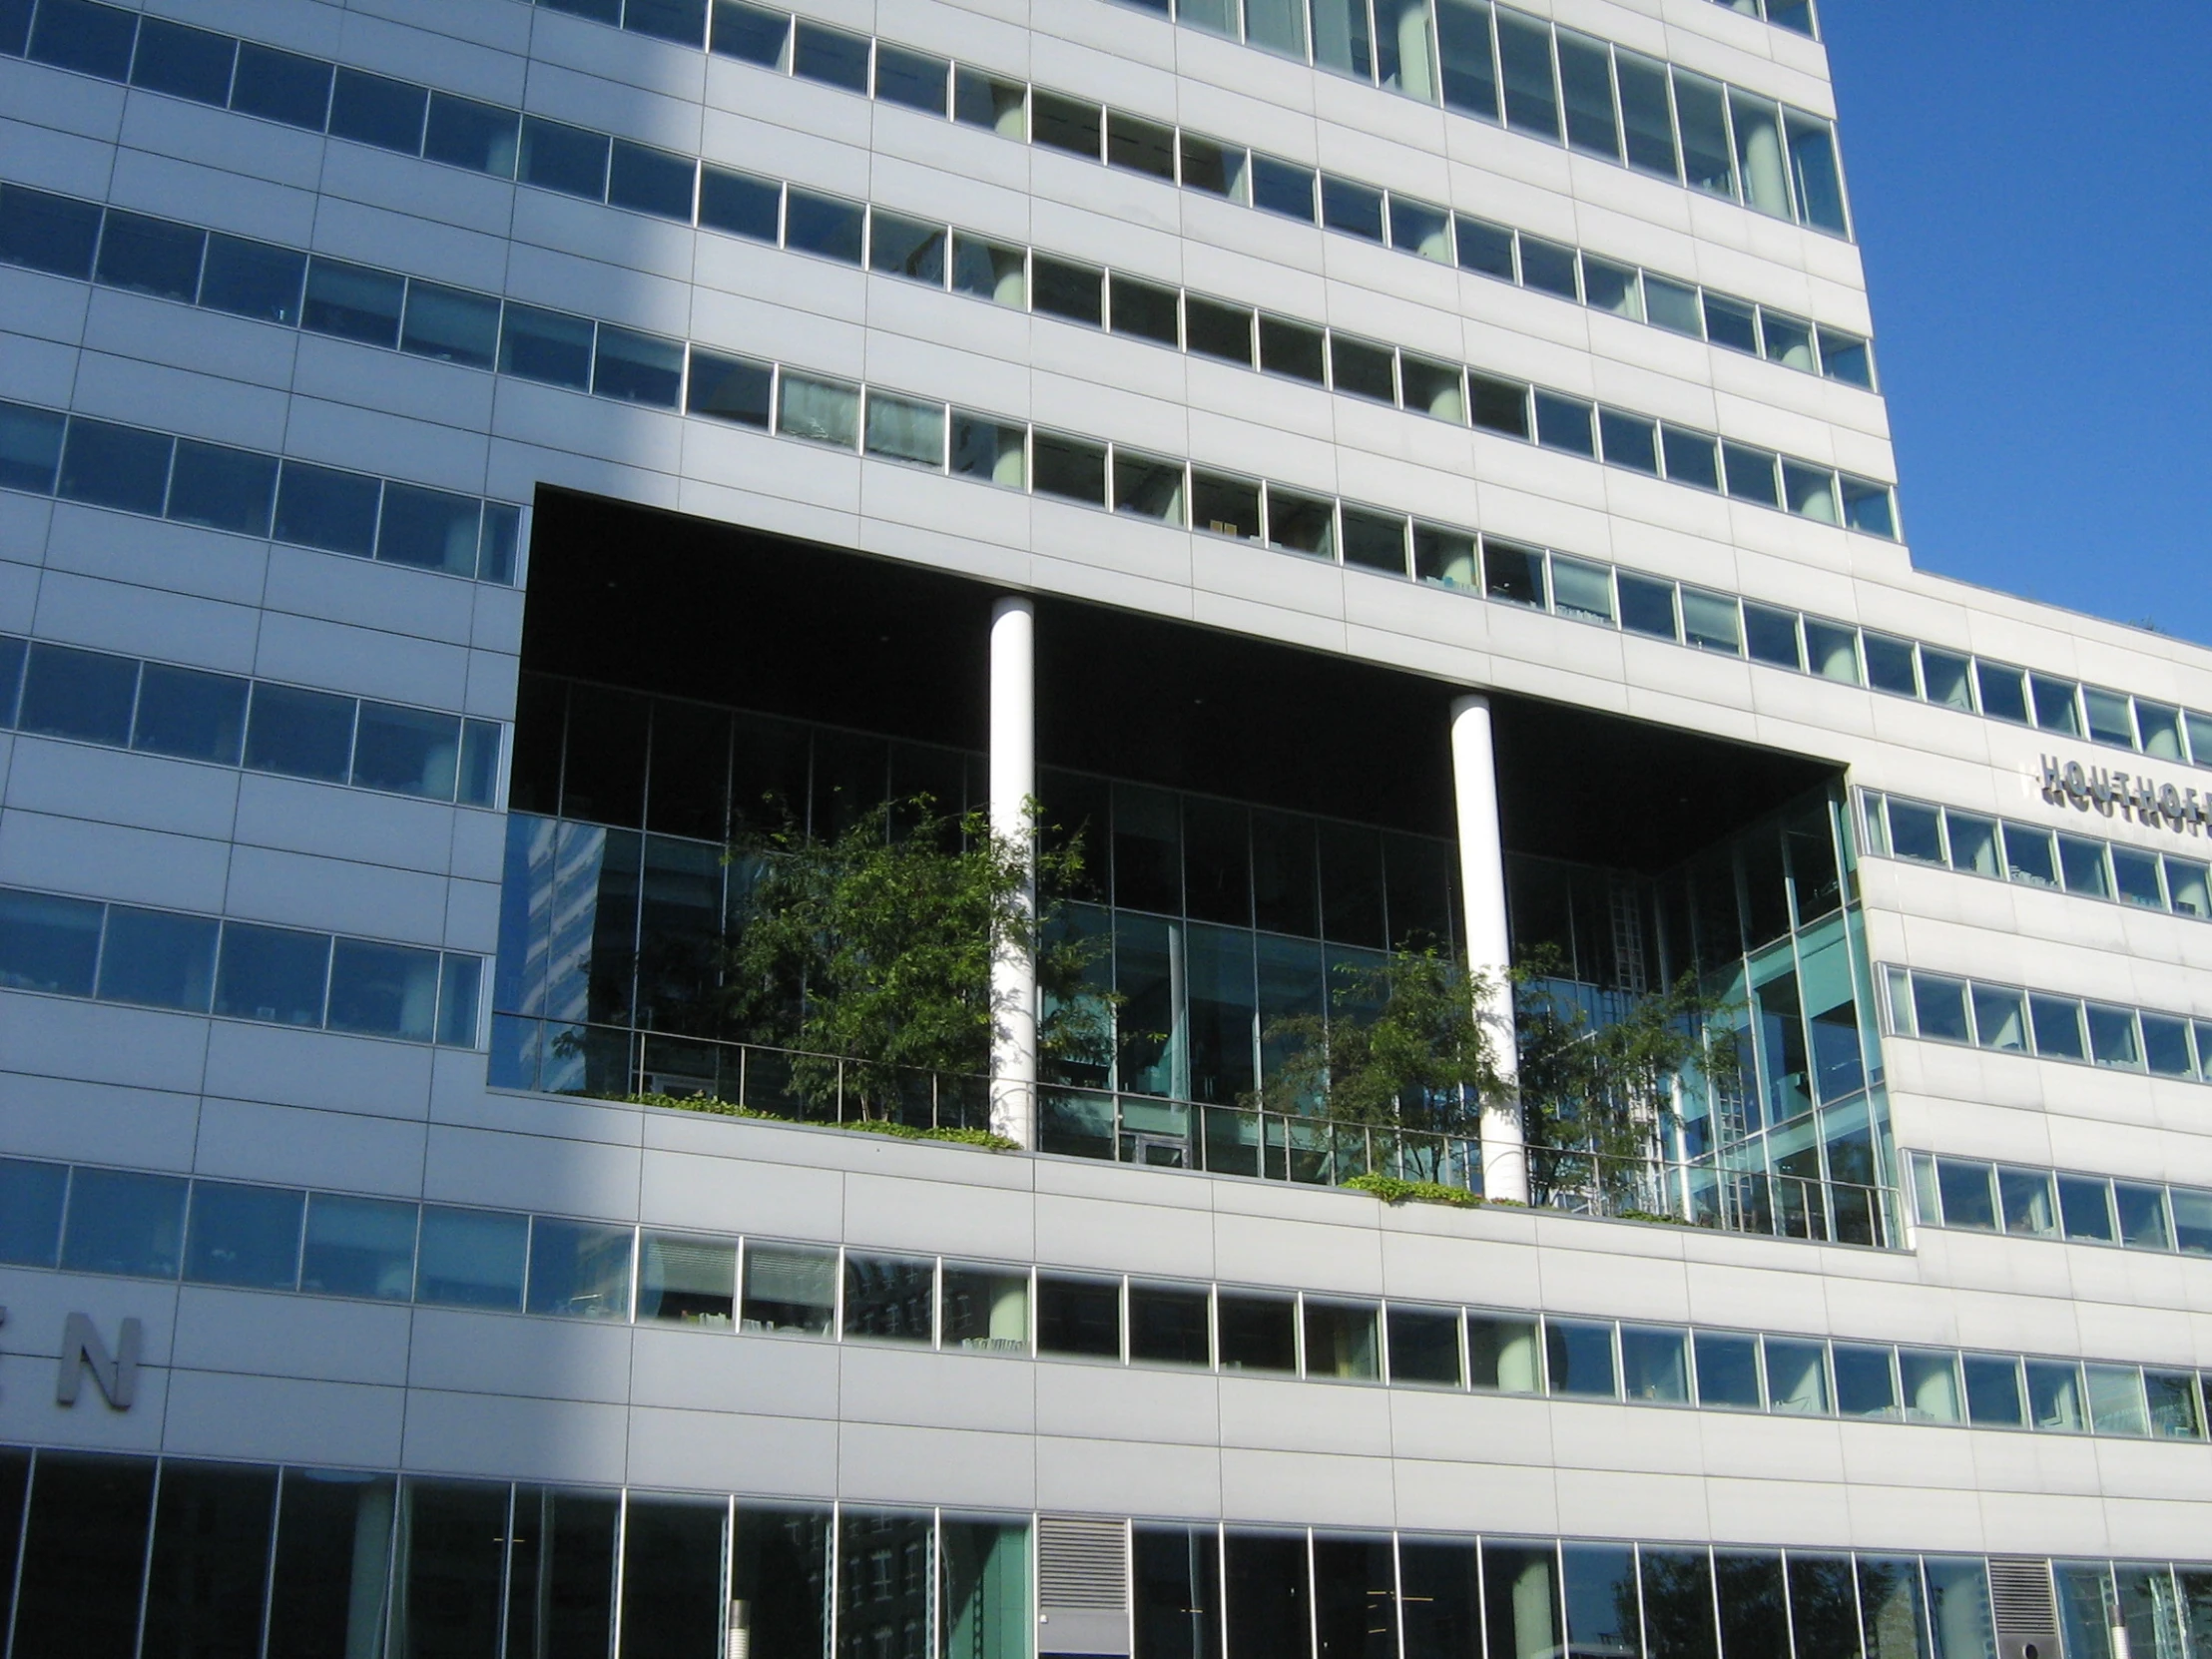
(48, 944)
(823, 225)
(730, 388)
(546, 346)
(273, 973)
(225, 489)
(463, 133)
(301, 733)
(359, 1247)
(407, 751)
(473, 1258)
(739, 204)
(430, 529)
(912, 79)
(192, 713)
(252, 279)
(566, 158)
(156, 959)
(352, 302)
(282, 86)
(243, 1234)
(748, 33)
(31, 1211)
(650, 182)
(87, 695)
(318, 506)
(30, 447)
(831, 56)
(150, 256)
(114, 466)
(184, 63)
(124, 1222)
(1280, 187)
(74, 34)
(370, 109)
(451, 325)
(384, 991)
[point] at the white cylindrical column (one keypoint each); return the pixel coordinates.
(1013, 785)
(1490, 948)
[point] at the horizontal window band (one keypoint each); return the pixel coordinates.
(1558, 86)
(2032, 1202)
(247, 492)
(180, 962)
(418, 120)
(231, 719)
(314, 1242)
(188, 265)
(2033, 855)
(2048, 1025)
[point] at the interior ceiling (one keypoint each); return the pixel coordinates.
(687, 607)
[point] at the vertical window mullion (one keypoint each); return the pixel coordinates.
(146, 1559)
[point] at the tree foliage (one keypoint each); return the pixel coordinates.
(1406, 1043)
(1599, 1086)
(876, 945)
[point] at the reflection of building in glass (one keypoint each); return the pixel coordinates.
(1383, 478)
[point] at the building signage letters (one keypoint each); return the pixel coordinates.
(114, 1375)
(2154, 805)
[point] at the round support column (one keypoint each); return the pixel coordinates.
(1490, 948)
(1013, 785)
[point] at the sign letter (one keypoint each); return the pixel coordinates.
(115, 1375)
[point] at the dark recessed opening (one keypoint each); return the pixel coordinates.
(657, 602)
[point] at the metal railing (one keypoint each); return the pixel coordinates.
(615, 1062)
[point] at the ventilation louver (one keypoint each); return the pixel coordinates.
(1083, 1585)
(2025, 1606)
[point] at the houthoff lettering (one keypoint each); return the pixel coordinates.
(2109, 791)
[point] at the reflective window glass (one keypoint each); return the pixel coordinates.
(301, 733)
(1079, 1317)
(246, 1236)
(280, 86)
(2085, 1204)
(1727, 1370)
(86, 695)
(1256, 1333)
(890, 1298)
(371, 109)
(358, 1247)
(114, 466)
(278, 974)
(318, 506)
(31, 1197)
(48, 944)
(183, 61)
(1578, 1358)
(48, 232)
(578, 1270)
(451, 325)
(1993, 1399)
(1503, 1353)
(480, 136)
(156, 959)
(119, 1221)
(546, 346)
(150, 256)
(384, 991)
(566, 158)
(472, 1257)
(352, 302)
(2056, 1022)
(789, 1288)
(651, 181)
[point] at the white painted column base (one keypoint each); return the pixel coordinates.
(1013, 785)
(1489, 947)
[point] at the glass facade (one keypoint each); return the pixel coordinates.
(121, 1556)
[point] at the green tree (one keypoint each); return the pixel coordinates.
(1598, 1095)
(875, 947)
(1406, 1044)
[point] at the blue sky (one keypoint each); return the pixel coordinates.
(2032, 187)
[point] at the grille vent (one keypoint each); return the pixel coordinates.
(2025, 1609)
(1082, 1565)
